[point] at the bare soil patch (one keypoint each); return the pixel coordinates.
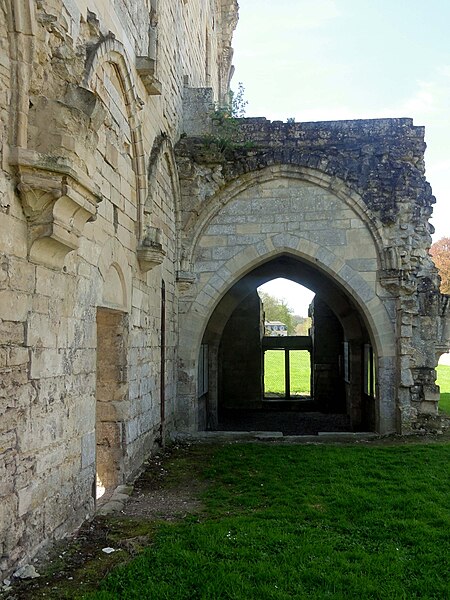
(168, 490)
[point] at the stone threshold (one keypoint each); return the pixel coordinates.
(116, 501)
(243, 436)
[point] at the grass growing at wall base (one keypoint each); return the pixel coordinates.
(304, 522)
(443, 381)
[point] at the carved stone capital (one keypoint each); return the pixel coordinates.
(57, 202)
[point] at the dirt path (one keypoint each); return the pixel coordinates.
(168, 490)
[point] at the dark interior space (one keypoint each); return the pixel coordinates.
(342, 389)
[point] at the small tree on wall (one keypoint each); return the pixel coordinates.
(440, 251)
(226, 135)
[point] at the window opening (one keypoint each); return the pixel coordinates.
(287, 374)
(369, 372)
(203, 370)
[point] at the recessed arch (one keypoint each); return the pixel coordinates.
(195, 227)
(233, 338)
(348, 293)
(116, 276)
(111, 51)
(162, 161)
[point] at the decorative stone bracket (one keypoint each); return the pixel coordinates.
(150, 252)
(397, 281)
(185, 279)
(145, 67)
(57, 202)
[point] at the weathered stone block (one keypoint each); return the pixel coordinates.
(12, 332)
(88, 447)
(46, 363)
(15, 305)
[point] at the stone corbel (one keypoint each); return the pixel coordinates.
(57, 202)
(397, 281)
(185, 275)
(185, 279)
(150, 252)
(145, 67)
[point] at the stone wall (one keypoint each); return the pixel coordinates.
(348, 198)
(89, 195)
(328, 337)
(240, 357)
(109, 213)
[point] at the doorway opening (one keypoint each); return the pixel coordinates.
(111, 391)
(443, 381)
(264, 378)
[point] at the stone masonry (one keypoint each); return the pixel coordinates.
(348, 200)
(125, 230)
(91, 97)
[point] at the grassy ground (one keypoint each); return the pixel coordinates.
(302, 522)
(443, 381)
(274, 372)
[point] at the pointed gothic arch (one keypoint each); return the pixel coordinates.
(162, 160)
(194, 228)
(248, 224)
(109, 50)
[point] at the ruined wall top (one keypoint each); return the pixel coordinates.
(380, 159)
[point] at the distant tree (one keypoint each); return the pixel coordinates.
(302, 325)
(440, 251)
(278, 310)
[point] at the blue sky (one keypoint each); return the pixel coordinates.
(318, 60)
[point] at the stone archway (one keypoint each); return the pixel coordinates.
(281, 214)
(341, 347)
(349, 198)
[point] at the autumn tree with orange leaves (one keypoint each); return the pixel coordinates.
(440, 251)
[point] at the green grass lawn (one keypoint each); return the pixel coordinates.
(305, 523)
(300, 376)
(443, 381)
(299, 371)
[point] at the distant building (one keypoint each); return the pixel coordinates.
(275, 328)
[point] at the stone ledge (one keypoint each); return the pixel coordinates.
(145, 67)
(150, 257)
(234, 436)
